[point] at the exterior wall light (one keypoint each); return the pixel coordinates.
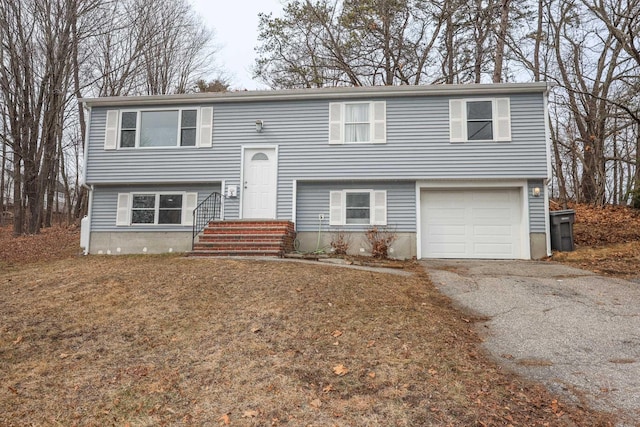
(536, 192)
(259, 125)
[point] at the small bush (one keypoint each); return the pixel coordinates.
(340, 242)
(380, 240)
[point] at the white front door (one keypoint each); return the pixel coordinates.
(259, 186)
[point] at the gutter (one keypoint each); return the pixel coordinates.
(322, 93)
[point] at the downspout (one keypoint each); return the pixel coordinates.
(89, 210)
(84, 174)
(547, 136)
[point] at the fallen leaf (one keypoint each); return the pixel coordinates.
(63, 355)
(18, 340)
(316, 403)
(256, 329)
(327, 388)
(224, 419)
(372, 375)
(340, 370)
(554, 406)
(336, 343)
(432, 371)
(336, 333)
(371, 343)
(250, 414)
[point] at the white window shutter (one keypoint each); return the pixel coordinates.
(190, 203)
(206, 127)
(124, 205)
(379, 208)
(111, 130)
(335, 123)
(457, 126)
(336, 204)
(379, 122)
(503, 119)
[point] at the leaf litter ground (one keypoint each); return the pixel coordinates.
(607, 240)
(165, 340)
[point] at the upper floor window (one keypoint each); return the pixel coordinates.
(357, 123)
(188, 127)
(480, 120)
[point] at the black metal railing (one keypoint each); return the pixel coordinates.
(208, 210)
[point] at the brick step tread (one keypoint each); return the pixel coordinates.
(238, 244)
(251, 221)
(236, 253)
(240, 237)
(214, 224)
(250, 227)
(244, 233)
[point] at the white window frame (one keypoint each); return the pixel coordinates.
(178, 131)
(186, 219)
(377, 125)
(500, 123)
(375, 216)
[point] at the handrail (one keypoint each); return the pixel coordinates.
(208, 210)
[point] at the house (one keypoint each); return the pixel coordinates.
(455, 171)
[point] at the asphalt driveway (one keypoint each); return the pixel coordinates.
(575, 331)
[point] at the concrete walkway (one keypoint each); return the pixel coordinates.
(576, 332)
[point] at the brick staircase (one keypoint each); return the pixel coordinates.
(245, 238)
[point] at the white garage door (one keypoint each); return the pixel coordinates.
(481, 223)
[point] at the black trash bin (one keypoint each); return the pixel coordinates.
(562, 230)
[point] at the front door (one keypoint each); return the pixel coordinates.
(259, 187)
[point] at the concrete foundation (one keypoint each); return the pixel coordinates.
(139, 242)
(404, 247)
(538, 245)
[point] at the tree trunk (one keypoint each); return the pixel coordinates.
(500, 42)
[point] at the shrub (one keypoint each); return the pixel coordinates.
(380, 240)
(340, 242)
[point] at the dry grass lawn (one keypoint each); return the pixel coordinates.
(164, 340)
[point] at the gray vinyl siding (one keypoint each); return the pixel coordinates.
(536, 207)
(313, 199)
(417, 148)
(105, 203)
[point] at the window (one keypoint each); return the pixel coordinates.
(158, 129)
(156, 208)
(128, 129)
(358, 207)
(480, 120)
(357, 122)
(189, 127)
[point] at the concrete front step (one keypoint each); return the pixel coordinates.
(229, 237)
(246, 253)
(229, 246)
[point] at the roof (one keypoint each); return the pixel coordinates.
(321, 93)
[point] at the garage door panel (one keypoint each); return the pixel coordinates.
(448, 213)
(448, 230)
(493, 230)
(449, 250)
(479, 223)
(491, 249)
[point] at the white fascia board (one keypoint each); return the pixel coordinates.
(323, 93)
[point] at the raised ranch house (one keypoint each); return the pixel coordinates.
(455, 171)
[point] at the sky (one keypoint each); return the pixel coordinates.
(235, 24)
